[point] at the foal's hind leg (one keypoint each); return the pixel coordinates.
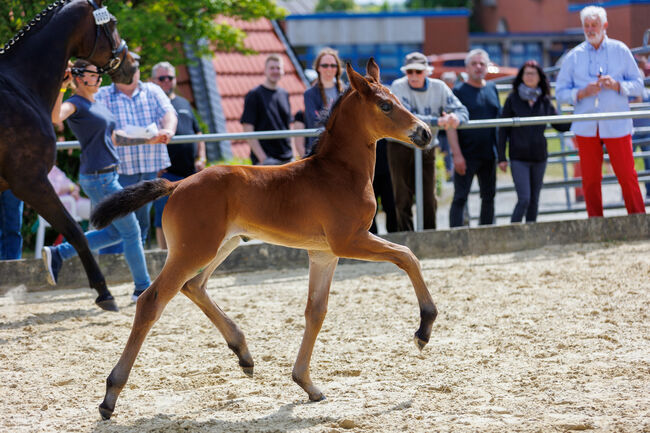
(149, 307)
(39, 194)
(195, 289)
(321, 270)
(367, 246)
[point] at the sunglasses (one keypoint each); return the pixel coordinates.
(328, 65)
(414, 71)
(165, 78)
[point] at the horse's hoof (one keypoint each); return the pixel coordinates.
(107, 303)
(105, 412)
(248, 371)
(419, 342)
(318, 397)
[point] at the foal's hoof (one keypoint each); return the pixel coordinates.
(107, 302)
(248, 371)
(420, 343)
(105, 412)
(317, 397)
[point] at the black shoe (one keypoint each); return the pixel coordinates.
(53, 262)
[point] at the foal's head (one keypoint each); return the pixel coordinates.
(384, 115)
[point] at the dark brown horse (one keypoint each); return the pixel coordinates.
(32, 67)
(323, 204)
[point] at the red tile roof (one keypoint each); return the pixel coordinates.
(238, 73)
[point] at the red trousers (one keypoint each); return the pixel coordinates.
(619, 149)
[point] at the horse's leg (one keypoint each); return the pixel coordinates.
(367, 246)
(321, 270)
(195, 289)
(149, 307)
(39, 194)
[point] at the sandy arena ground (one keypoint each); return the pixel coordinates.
(554, 339)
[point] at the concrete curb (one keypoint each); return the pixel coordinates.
(429, 244)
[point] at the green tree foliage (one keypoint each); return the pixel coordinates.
(335, 5)
(157, 28)
(429, 4)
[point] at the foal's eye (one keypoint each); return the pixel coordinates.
(386, 106)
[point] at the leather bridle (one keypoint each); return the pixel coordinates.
(118, 54)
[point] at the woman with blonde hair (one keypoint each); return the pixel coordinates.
(321, 96)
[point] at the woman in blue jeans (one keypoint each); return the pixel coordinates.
(94, 127)
(528, 151)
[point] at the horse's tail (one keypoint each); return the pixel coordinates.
(129, 199)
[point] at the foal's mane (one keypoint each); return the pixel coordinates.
(36, 23)
(332, 114)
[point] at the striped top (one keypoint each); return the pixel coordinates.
(147, 105)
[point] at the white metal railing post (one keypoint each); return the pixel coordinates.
(419, 195)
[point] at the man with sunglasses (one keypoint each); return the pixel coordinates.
(140, 104)
(432, 101)
(598, 76)
(186, 158)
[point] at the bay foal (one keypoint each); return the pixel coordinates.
(324, 204)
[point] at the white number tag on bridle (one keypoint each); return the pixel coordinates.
(102, 16)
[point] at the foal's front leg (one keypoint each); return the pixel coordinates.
(367, 246)
(321, 270)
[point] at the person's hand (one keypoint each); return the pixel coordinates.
(448, 120)
(591, 90)
(199, 164)
(67, 78)
(459, 165)
(503, 165)
(164, 135)
(607, 82)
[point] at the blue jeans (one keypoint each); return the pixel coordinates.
(528, 178)
(97, 187)
(159, 205)
(11, 219)
(142, 214)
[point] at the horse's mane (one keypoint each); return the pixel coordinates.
(327, 119)
(36, 23)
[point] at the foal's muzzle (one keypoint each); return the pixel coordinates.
(421, 137)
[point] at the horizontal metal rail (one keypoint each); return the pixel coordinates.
(472, 124)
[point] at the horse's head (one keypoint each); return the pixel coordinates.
(386, 116)
(109, 52)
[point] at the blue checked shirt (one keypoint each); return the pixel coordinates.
(581, 67)
(147, 105)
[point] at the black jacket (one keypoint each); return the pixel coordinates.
(527, 143)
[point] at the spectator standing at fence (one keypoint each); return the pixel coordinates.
(140, 104)
(11, 221)
(323, 94)
(528, 150)
(267, 108)
(93, 125)
(434, 103)
(475, 153)
(599, 75)
(186, 158)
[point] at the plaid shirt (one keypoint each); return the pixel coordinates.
(147, 105)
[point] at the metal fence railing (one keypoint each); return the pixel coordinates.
(565, 157)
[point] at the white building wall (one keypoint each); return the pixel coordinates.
(358, 31)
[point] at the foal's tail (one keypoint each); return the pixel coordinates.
(130, 199)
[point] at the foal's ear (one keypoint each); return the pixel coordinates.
(373, 70)
(357, 82)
